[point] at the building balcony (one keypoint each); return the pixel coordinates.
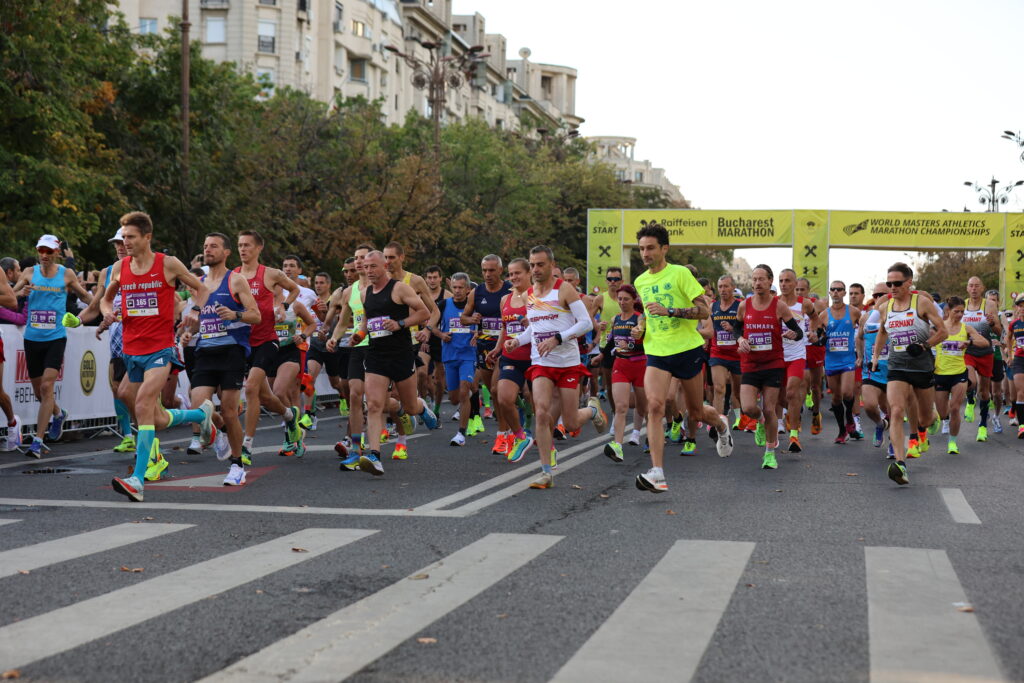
(214, 4)
(266, 44)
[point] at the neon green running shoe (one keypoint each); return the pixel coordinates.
(969, 412)
(759, 435)
(343, 408)
(809, 400)
(736, 422)
(689, 447)
(306, 421)
(898, 473)
(982, 434)
(157, 463)
(675, 432)
(768, 462)
(554, 458)
(952, 449)
(614, 451)
(933, 428)
(127, 445)
(478, 425)
(246, 456)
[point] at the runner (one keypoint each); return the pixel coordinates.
(484, 310)
(1014, 343)
(222, 329)
(263, 340)
(673, 303)
(317, 358)
(840, 321)
(875, 380)
(436, 385)
(557, 318)
(814, 375)
(285, 369)
(626, 345)
(47, 285)
(390, 308)
(603, 307)
(147, 282)
(951, 368)
(512, 365)
(999, 400)
(794, 354)
(906, 327)
(856, 293)
(13, 437)
(724, 360)
(458, 352)
(762, 359)
(983, 315)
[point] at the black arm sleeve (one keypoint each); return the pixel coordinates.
(737, 328)
(795, 326)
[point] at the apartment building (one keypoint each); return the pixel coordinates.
(619, 153)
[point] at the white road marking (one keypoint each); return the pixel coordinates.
(343, 643)
(30, 640)
(915, 629)
(8, 521)
(958, 506)
(80, 545)
(668, 619)
(214, 507)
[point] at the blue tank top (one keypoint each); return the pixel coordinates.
(871, 327)
(488, 305)
(460, 347)
(115, 328)
(47, 304)
(840, 352)
(214, 332)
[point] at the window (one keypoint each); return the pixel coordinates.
(339, 12)
(383, 79)
(268, 2)
(620, 175)
(357, 70)
(215, 30)
(267, 33)
(266, 79)
(545, 85)
(147, 26)
(359, 29)
(639, 176)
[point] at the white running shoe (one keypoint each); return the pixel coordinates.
(634, 438)
(458, 440)
(13, 439)
(456, 415)
(856, 423)
(236, 476)
(945, 426)
(782, 427)
(221, 446)
(194, 447)
(652, 480)
(724, 445)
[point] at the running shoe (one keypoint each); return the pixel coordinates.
(184, 402)
(130, 486)
(573, 433)
(519, 448)
(35, 449)
(781, 429)
(794, 444)
(127, 445)
(880, 433)
(56, 429)
(478, 422)
(675, 432)
(724, 445)
(856, 422)
(997, 425)
(854, 433)
(933, 428)
(689, 447)
(544, 481)
(501, 445)
(982, 434)
(488, 413)
(634, 438)
(559, 432)
(289, 449)
(898, 473)
(246, 456)
(924, 444)
(300, 449)
(952, 448)
(194, 447)
(401, 452)
(236, 475)
(14, 435)
(343, 408)
(841, 438)
(614, 451)
(222, 446)
(760, 438)
(737, 421)
(809, 400)
(891, 455)
(371, 463)
(458, 440)
(349, 464)
(647, 446)
(206, 428)
(600, 417)
(553, 460)
(156, 465)
(816, 423)
(428, 416)
(1020, 432)
(712, 433)
(341, 448)
(293, 430)
(768, 462)
(306, 421)
(913, 449)
(652, 480)
(456, 415)
(407, 422)
(969, 412)
(945, 427)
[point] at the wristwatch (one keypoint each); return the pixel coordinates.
(401, 324)
(238, 315)
(197, 309)
(671, 312)
(558, 336)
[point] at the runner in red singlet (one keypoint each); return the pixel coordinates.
(512, 365)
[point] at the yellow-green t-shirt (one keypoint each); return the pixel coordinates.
(673, 287)
(608, 310)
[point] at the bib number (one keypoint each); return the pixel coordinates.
(902, 339)
(210, 328)
(490, 327)
(376, 327)
(724, 338)
(760, 341)
(838, 344)
(43, 320)
(142, 304)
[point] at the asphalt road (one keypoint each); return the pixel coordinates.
(448, 568)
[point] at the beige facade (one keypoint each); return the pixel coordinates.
(618, 152)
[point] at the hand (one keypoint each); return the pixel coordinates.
(423, 335)
(190, 320)
(596, 360)
(812, 337)
(859, 363)
(963, 345)
(654, 308)
(602, 325)
(224, 313)
(742, 345)
(547, 346)
(991, 318)
(475, 319)
(279, 313)
(511, 344)
(874, 365)
(636, 333)
(789, 334)
(472, 341)
(391, 325)
(186, 337)
(70, 320)
(331, 345)
(727, 326)
(446, 337)
(492, 355)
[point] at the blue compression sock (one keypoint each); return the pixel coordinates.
(177, 417)
(124, 418)
(142, 450)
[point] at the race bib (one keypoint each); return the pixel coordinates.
(952, 348)
(514, 328)
(376, 327)
(43, 320)
(538, 337)
(625, 343)
(884, 355)
(490, 327)
(902, 339)
(838, 344)
(142, 304)
(724, 338)
(455, 326)
(760, 341)
(283, 331)
(1019, 342)
(209, 328)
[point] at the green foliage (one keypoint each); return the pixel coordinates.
(947, 272)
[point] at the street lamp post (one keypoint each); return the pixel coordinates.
(185, 68)
(437, 75)
(991, 195)
(1016, 139)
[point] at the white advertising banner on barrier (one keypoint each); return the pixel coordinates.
(81, 387)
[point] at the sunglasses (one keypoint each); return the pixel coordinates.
(879, 293)
(45, 250)
(837, 289)
(895, 283)
(613, 279)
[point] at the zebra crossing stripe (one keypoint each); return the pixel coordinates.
(919, 624)
(80, 545)
(48, 634)
(8, 521)
(344, 642)
(959, 509)
(669, 618)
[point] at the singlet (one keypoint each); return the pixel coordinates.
(871, 327)
(214, 332)
(315, 341)
(839, 350)
(623, 344)
(488, 305)
(355, 304)
(460, 347)
(673, 287)
(979, 322)
(797, 349)
(609, 304)
(949, 359)
(547, 317)
(723, 343)
(905, 328)
(284, 330)
(514, 319)
(47, 304)
(439, 300)
(378, 307)
(763, 332)
(115, 327)
(263, 331)
(1017, 330)
(413, 329)
(147, 309)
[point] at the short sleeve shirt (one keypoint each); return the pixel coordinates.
(672, 287)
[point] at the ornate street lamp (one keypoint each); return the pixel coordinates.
(1016, 139)
(991, 195)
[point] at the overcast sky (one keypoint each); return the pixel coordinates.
(747, 104)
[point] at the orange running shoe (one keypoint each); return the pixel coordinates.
(501, 445)
(816, 423)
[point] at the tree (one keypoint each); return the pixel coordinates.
(947, 272)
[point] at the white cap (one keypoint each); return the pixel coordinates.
(48, 241)
(118, 236)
